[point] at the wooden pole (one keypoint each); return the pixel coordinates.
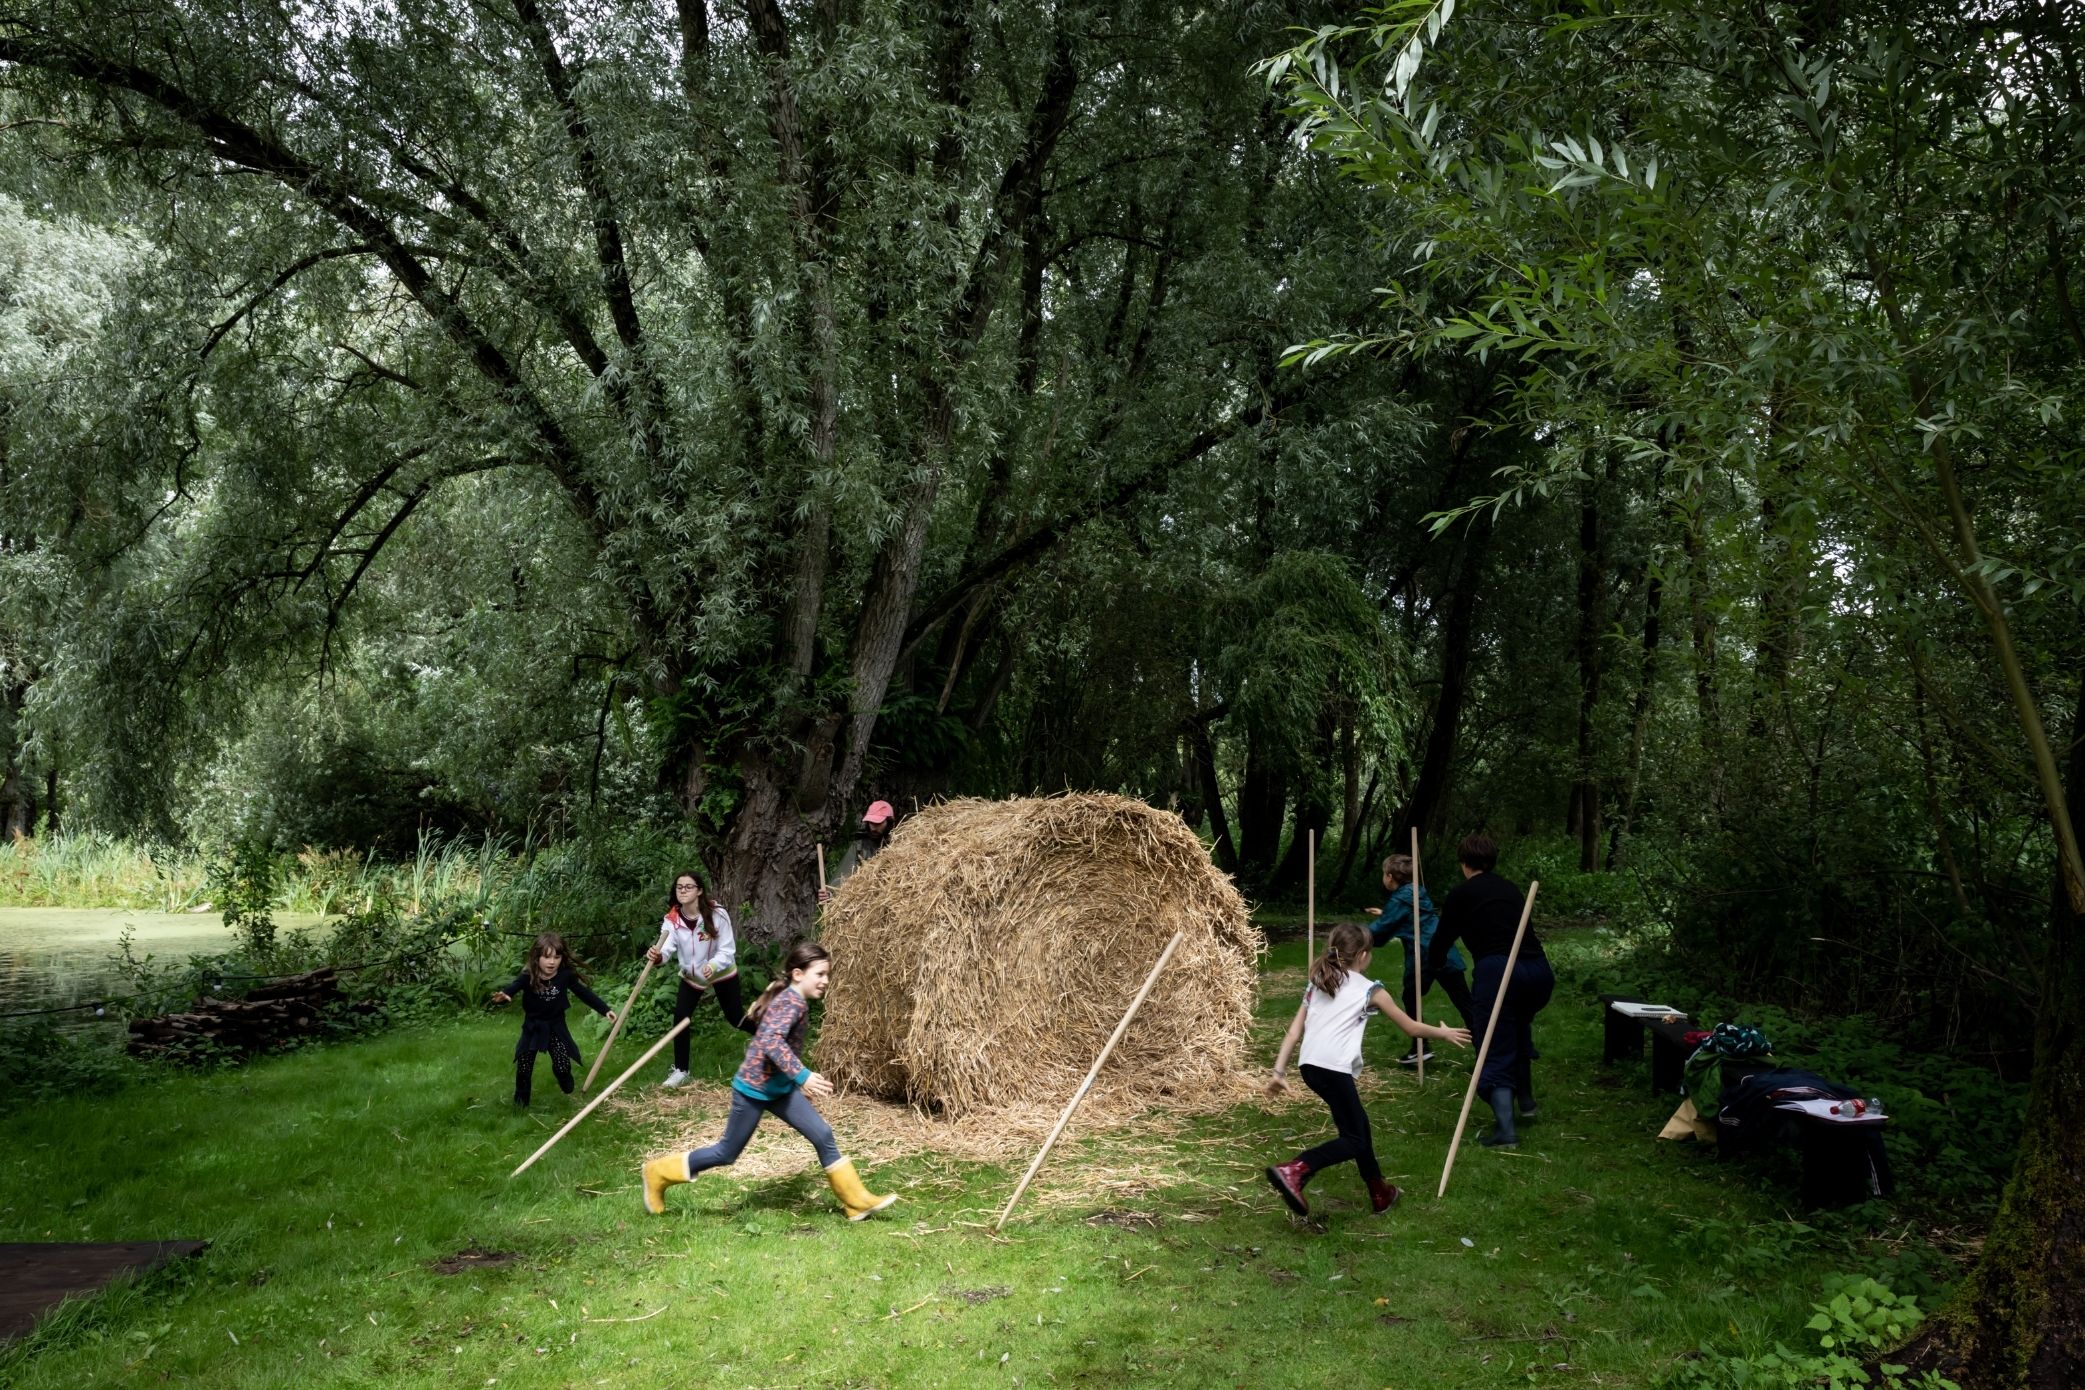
(649, 1053)
(1491, 1025)
(1310, 899)
(1418, 960)
(821, 868)
(1087, 1084)
(620, 1019)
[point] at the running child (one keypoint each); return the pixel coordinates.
(697, 934)
(545, 987)
(1329, 1024)
(773, 1078)
(1394, 923)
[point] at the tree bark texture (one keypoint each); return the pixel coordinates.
(1458, 639)
(2018, 1321)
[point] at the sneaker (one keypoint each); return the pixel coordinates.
(1413, 1059)
(676, 1077)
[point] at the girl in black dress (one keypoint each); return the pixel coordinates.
(546, 986)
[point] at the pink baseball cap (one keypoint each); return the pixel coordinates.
(878, 813)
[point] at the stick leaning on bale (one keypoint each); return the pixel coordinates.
(1087, 1084)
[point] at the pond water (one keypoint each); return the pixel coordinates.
(53, 957)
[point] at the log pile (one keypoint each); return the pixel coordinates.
(270, 1016)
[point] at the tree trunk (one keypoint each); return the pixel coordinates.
(1355, 830)
(1591, 574)
(2019, 1318)
(1458, 636)
(1224, 850)
(1263, 803)
(1640, 715)
(1708, 702)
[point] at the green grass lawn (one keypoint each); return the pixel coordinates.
(331, 1181)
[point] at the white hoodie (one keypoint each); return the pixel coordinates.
(703, 958)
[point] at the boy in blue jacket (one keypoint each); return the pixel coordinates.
(1394, 923)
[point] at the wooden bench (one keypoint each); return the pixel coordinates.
(1624, 1041)
(1843, 1160)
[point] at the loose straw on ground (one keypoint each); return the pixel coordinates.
(620, 1018)
(1418, 960)
(650, 1052)
(1087, 1084)
(1491, 1026)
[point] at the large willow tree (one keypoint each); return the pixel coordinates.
(791, 329)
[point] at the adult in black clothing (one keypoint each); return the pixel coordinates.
(545, 987)
(1483, 912)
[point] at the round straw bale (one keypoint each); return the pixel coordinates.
(985, 955)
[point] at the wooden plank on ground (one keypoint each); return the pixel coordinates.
(41, 1276)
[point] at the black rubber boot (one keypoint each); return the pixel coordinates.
(1502, 1135)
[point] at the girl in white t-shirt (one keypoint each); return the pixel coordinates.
(1329, 1024)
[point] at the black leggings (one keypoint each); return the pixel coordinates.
(525, 1072)
(1336, 1089)
(684, 1007)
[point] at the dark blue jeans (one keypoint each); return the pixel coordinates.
(794, 1110)
(1510, 1061)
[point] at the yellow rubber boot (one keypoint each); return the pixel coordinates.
(659, 1174)
(847, 1186)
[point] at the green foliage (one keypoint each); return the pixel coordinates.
(245, 879)
(1857, 1326)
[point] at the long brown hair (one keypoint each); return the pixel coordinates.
(1345, 944)
(544, 945)
(802, 956)
(703, 900)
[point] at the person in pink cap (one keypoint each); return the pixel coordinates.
(877, 822)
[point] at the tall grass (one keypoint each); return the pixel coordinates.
(95, 869)
(578, 886)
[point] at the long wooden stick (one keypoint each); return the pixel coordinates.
(1310, 900)
(620, 1019)
(1491, 1025)
(1418, 960)
(1087, 1084)
(821, 868)
(649, 1053)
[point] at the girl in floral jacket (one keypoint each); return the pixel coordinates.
(773, 1077)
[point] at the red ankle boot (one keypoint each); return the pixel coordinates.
(1382, 1196)
(1288, 1179)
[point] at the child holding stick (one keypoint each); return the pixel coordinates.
(545, 986)
(1394, 923)
(773, 1077)
(1329, 1024)
(697, 934)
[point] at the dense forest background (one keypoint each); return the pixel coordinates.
(1655, 433)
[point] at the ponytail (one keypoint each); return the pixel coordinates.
(802, 956)
(1345, 944)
